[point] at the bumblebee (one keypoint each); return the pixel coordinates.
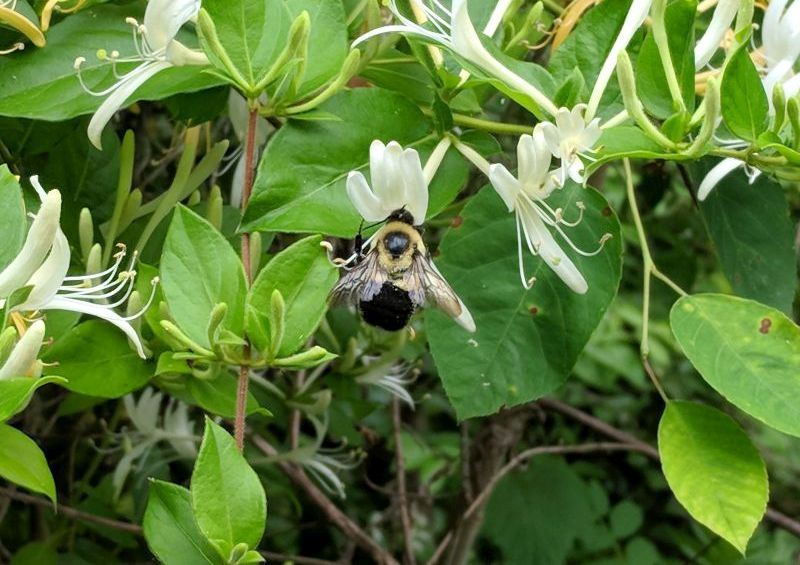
(395, 277)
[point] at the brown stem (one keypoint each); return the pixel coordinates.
(402, 496)
(71, 512)
(778, 518)
(249, 175)
(333, 513)
(515, 462)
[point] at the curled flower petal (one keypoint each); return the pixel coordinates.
(716, 174)
(98, 311)
(24, 353)
(49, 276)
(721, 21)
(164, 18)
(123, 90)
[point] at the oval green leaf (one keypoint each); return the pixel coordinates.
(526, 341)
(304, 276)
(200, 269)
(17, 392)
(714, 470)
(228, 499)
(745, 107)
(23, 463)
(97, 360)
(749, 353)
(170, 529)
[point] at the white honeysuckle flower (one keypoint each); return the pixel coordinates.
(722, 170)
(144, 411)
(780, 42)
(570, 139)
(392, 379)
(634, 19)
(156, 50)
(324, 464)
(43, 262)
(720, 23)
(176, 427)
(397, 182)
(453, 29)
(23, 359)
(525, 196)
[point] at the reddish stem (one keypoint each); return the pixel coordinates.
(249, 175)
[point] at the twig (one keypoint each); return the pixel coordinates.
(402, 497)
(778, 518)
(334, 514)
(298, 560)
(72, 512)
(516, 462)
(249, 175)
(466, 471)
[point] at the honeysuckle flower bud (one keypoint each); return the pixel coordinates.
(721, 21)
(43, 262)
(526, 195)
(453, 30)
(157, 50)
(22, 361)
(570, 139)
(397, 182)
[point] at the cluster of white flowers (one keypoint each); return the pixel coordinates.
(569, 136)
(41, 266)
(778, 54)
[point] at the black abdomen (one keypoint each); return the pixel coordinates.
(390, 309)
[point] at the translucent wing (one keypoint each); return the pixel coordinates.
(362, 282)
(426, 285)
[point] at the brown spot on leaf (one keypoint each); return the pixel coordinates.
(606, 211)
(766, 324)
(457, 221)
(533, 310)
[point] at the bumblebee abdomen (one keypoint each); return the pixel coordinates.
(390, 309)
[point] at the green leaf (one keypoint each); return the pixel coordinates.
(300, 185)
(23, 463)
(252, 32)
(200, 269)
(651, 80)
(745, 107)
(228, 499)
(13, 223)
(526, 341)
(304, 276)
(97, 360)
(170, 529)
(17, 392)
(42, 83)
(713, 469)
(536, 515)
(327, 41)
(753, 234)
(39, 553)
(747, 351)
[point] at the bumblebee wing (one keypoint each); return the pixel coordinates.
(426, 285)
(362, 282)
